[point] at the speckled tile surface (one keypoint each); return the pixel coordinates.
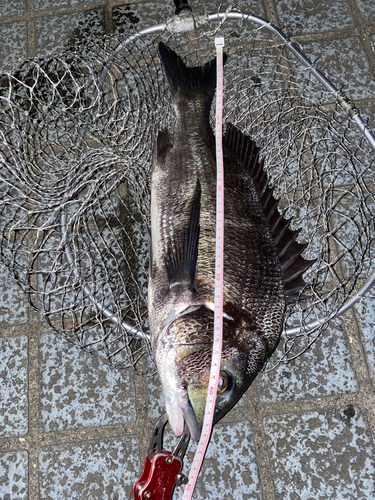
(230, 470)
(48, 4)
(321, 455)
(89, 470)
(324, 370)
(301, 16)
(12, 8)
(140, 15)
(346, 64)
(13, 303)
(14, 475)
(13, 387)
(248, 6)
(77, 390)
(12, 45)
(367, 9)
(54, 32)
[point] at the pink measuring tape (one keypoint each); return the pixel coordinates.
(219, 282)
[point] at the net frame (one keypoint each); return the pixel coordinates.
(187, 23)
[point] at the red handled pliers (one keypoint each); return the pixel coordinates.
(162, 469)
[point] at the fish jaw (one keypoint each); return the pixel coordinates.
(177, 403)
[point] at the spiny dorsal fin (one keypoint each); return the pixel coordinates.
(292, 264)
(181, 259)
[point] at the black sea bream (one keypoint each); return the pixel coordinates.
(262, 263)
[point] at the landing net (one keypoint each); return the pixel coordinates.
(77, 132)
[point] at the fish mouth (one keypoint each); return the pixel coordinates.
(179, 411)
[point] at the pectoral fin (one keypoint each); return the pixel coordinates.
(182, 253)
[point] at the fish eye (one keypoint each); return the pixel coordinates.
(224, 382)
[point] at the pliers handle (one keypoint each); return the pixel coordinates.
(162, 469)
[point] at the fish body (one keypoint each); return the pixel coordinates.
(182, 257)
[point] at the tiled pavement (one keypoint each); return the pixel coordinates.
(74, 428)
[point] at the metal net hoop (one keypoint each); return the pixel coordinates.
(77, 134)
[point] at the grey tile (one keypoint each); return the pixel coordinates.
(53, 33)
(310, 16)
(13, 8)
(367, 8)
(321, 455)
(78, 390)
(324, 370)
(247, 6)
(140, 15)
(344, 62)
(13, 302)
(13, 39)
(13, 386)
(47, 4)
(14, 475)
(104, 470)
(155, 398)
(229, 469)
(365, 315)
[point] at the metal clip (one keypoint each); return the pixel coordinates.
(162, 469)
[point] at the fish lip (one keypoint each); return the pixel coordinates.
(180, 411)
(191, 421)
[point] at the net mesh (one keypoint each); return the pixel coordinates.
(77, 133)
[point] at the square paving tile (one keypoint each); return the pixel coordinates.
(47, 4)
(140, 15)
(323, 370)
(310, 16)
(367, 8)
(320, 455)
(53, 33)
(13, 49)
(14, 476)
(247, 6)
(229, 469)
(78, 390)
(13, 386)
(345, 64)
(12, 8)
(100, 470)
(13, 302)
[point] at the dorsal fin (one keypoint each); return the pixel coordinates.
(181, 258)
(292, 264)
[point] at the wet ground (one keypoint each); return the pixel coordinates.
(72, 427)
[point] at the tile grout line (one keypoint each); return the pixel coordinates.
(364, 32)
(30, 29)
(33, 436)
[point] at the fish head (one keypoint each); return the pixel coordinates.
(185, 375)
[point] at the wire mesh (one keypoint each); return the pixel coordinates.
(77, 134)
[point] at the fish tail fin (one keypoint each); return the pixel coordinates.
(191, 82)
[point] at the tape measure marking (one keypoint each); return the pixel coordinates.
(219, 282)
